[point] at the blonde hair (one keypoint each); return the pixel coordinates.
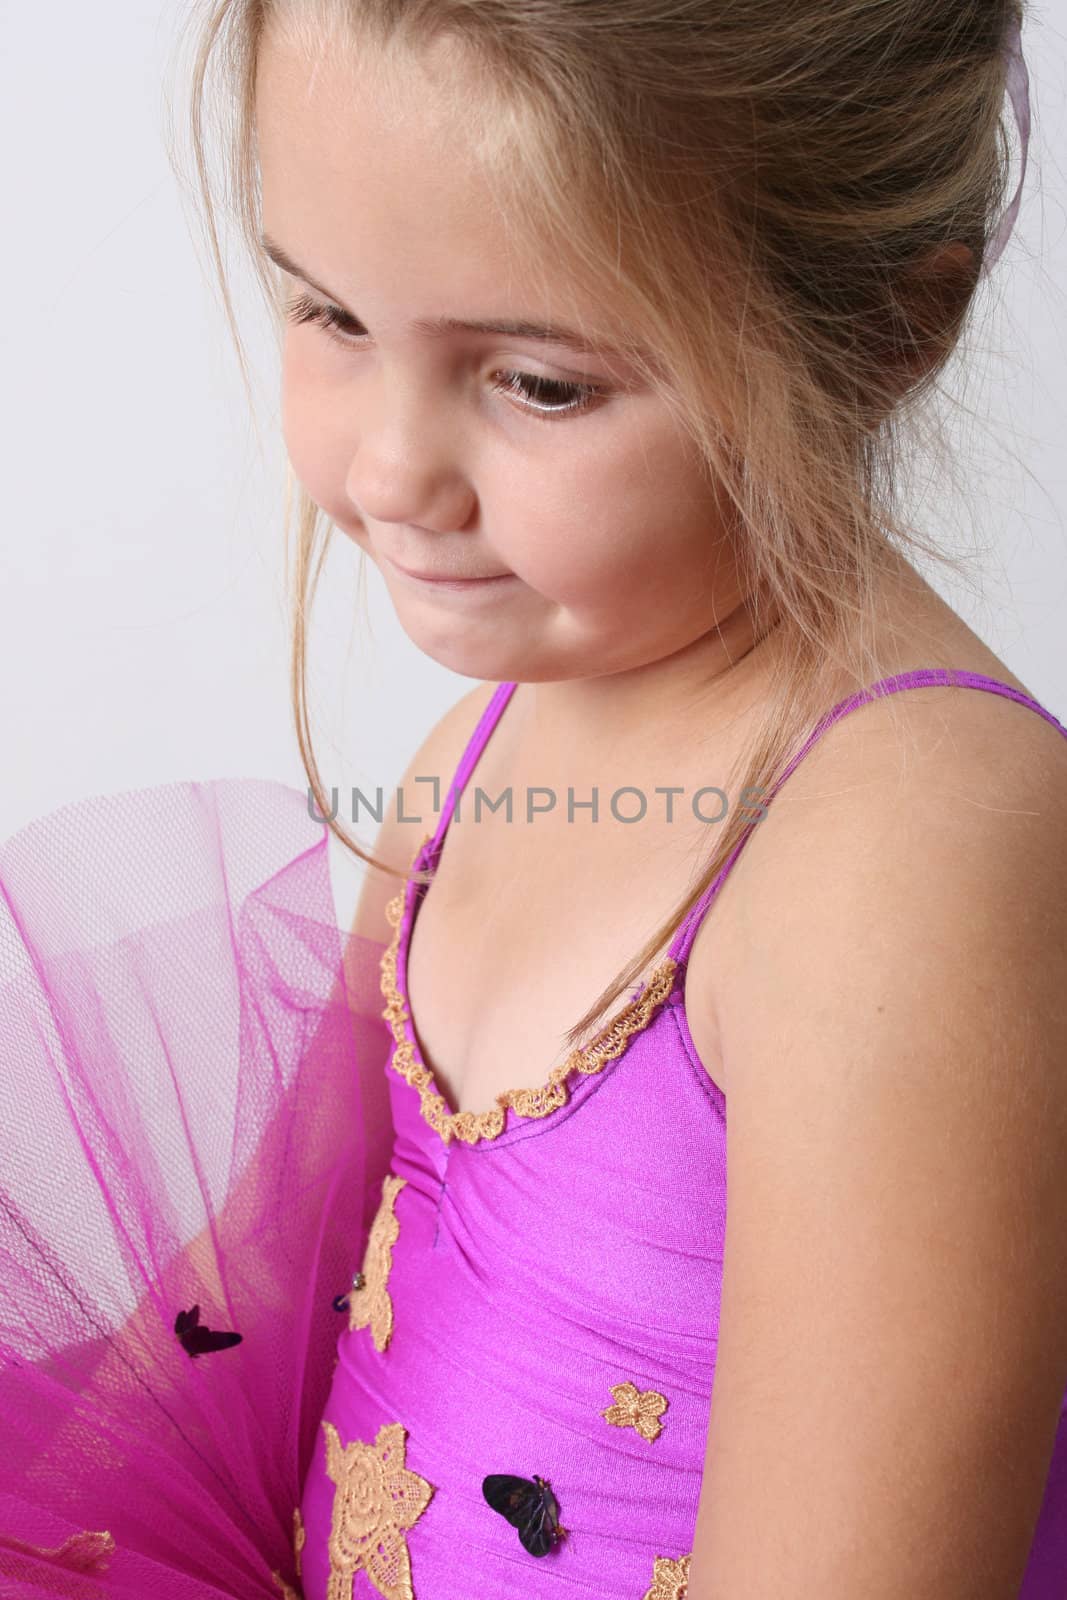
(759, 188)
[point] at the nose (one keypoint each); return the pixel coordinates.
(408, 463)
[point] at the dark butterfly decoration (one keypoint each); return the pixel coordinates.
(529, 1506)
(198, 1341)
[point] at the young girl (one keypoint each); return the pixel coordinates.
(603, 323)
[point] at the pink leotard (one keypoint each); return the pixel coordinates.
(541, 1296)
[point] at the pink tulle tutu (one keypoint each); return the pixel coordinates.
(195, 1129)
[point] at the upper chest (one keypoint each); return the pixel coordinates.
(526, 924)
(515, 939)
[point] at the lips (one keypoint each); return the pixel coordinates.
(449, 577)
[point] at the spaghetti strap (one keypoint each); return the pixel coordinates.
(486, 723)
(920, 678)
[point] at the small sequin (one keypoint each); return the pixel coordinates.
(341, 1301)
(636, 1408)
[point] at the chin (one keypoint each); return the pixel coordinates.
(488, 657)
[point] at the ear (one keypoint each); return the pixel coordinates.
(918, 329)
(934, 300)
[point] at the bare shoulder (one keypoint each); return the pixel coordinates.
(404, 828)
(894, 1298)
(896, 786)
(938, 813)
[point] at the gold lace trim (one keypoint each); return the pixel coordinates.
(636, 1408)
(670, 1579)
(470, 1126)
(371, 1303)
(82, 1552)
(376, 1500)
(299, 1540)
(299, 1536)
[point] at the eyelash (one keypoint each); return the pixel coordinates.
(332, 319)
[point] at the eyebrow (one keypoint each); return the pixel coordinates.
(436, 327)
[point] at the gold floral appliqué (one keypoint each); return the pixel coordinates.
(670, 1579)
(376, 1500)
(371, 1304)
(636, 1408)
(470, 1126)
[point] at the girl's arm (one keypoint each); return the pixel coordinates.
(893, 1341)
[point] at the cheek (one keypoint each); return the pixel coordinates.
(631, 520)
(588, 553)
(317, 446)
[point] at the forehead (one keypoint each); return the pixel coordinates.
(376, 178)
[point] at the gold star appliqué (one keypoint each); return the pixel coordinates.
(636, 1408)
(376, 1500)
(371, 1304)
(670, 1579)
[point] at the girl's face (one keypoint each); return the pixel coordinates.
(470, 452)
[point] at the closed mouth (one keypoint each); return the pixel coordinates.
(451, 577)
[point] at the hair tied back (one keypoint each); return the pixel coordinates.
(1017, 85)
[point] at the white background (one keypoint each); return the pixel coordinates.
(142, 619)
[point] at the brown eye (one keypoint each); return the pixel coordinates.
(545, 397)
(530, 388)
